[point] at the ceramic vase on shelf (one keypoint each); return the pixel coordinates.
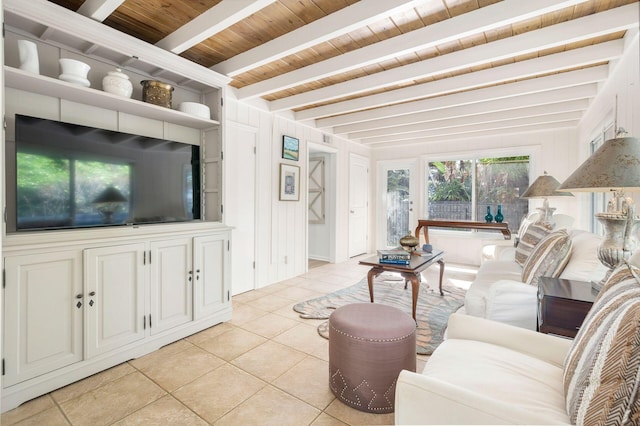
(488, 217)
(74, 71)
(28, 55)
(499, 217)
(118, 83)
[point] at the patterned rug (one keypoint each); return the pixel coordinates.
(432, 310)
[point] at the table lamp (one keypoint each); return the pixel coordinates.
(545, 186)
(614, 167)
(108, 202)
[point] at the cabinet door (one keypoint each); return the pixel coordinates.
(211, 266)
(115, 283)
(170, 284)
(43, 314)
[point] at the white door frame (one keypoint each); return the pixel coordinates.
(331, 191)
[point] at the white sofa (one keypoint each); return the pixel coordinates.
(498, 293)
(487, 372)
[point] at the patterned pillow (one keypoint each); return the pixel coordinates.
(602, 367)
(548, 258)
(524, 224)
(534, 233)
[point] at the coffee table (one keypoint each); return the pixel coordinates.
(410, 272)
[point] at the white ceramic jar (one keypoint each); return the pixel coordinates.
(118, 83)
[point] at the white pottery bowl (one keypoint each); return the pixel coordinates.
(195, 108)
(74, 71)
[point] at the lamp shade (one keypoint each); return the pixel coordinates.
(544, 186)
(615, 165)
(110, 195)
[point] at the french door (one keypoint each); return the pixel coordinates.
(399, 213)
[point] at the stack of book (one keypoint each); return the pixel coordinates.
(394, 257)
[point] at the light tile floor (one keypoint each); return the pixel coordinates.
(266, 366)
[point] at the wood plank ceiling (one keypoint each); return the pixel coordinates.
(397, 72)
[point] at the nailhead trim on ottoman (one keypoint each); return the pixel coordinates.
(369, 344)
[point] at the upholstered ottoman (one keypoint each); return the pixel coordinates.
(369, 344)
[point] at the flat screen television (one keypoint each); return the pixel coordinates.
(66, 176)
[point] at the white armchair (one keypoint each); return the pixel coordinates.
(486, 373)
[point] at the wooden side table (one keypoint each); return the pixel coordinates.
(563, 305)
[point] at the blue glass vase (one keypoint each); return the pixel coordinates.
(499, 217)
(488, 217)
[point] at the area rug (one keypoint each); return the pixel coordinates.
(432, 310)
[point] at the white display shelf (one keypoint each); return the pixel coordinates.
(22, 80)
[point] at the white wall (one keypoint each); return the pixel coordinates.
(622, 92)
(281, 231)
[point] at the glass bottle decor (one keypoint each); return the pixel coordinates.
(488, 217)
(499, 217)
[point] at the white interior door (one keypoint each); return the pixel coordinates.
(398, 209)
(239, 205)
(358, 205)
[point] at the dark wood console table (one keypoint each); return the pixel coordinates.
(461, 224)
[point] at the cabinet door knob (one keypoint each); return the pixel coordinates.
(93, 293)
(78, 296)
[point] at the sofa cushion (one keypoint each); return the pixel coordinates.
(583, 264)
(533, 235)
(475, 300)
(602, 368)
(526, 382)
(548, 258)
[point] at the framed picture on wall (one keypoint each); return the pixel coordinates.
(290, 147)
(289, 182)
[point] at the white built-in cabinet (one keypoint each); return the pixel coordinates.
(79, 301)
(171, 275)
(43, 314)
(115, 284)
(70, 312)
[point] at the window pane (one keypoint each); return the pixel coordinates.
(450, 189)
(501, 181)
(397, 205)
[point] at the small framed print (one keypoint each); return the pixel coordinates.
(290, 147)
(289, 182)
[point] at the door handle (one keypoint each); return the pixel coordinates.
(351, 211)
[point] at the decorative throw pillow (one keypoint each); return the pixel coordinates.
(602, 367)
(524, 224)
(548, 258)
(534, 233)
